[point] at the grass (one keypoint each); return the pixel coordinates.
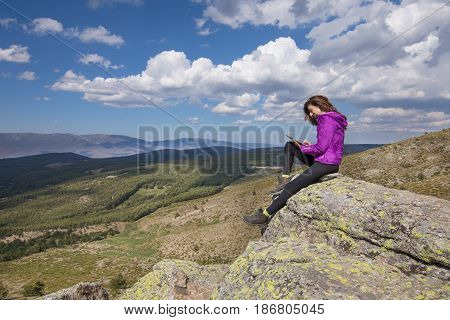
(216, 235)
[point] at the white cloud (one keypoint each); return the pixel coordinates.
(396, 119)
(99, 34)
(205, 32)
(194, 120)
(27, 75)
(241, 105)
(281, 13)
(240, 121)
(423, 51)
(42, 26)
(94, 58)
(42, 99)
(6, 22)
(15, 53)
(95, 4)
(278, 75)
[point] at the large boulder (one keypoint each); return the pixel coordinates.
(81, 291)
(177, 279)
(347, 239)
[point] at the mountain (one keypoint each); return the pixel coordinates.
(338, 239)
(418, 164)
(358, 239)
(100, 145)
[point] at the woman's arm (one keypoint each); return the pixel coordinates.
(326, 127)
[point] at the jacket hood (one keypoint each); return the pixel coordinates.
(339, 118)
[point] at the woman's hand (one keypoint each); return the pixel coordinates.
(306, 143)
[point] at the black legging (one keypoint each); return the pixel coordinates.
(290, 152)
(307, 177)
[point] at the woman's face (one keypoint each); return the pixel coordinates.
(314, 111)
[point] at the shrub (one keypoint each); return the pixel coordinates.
(118, 282)
(33, 289)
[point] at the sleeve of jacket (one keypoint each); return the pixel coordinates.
(326, 128)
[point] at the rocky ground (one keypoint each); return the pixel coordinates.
(338, 239)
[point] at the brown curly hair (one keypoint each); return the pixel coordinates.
(322, 103)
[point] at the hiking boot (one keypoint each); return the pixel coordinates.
(258, 218)
(282, 182)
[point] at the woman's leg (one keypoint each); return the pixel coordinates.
(309, 176)
(291, 151)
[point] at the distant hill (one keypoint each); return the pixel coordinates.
(419, 164)
(14, 145)
(100, 145)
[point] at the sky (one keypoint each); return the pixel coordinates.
(114, 66)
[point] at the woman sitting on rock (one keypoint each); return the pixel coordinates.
(322, 158)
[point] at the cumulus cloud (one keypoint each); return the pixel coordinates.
(277, 73)
(99, 34)
(281, 13)
(43, 26)
(15, 53)
(272, 81)
(396, 119)
(96, 4)
(94, 58)
(241, 105)
(27, 75)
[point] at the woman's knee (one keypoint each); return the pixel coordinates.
(289, 146)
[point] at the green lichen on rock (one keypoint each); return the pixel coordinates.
(177, 279)
(312, 271)
(362, 210)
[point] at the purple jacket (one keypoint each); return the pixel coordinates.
(330, 138)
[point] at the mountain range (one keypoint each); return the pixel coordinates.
(14, 145)
(101, 145)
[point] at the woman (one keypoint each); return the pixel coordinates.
(322, 158)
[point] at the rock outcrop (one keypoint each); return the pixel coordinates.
(337, 239)
(81, 291)
(347, 239)
(177, 279)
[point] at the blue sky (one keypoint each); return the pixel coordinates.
(87, 67)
